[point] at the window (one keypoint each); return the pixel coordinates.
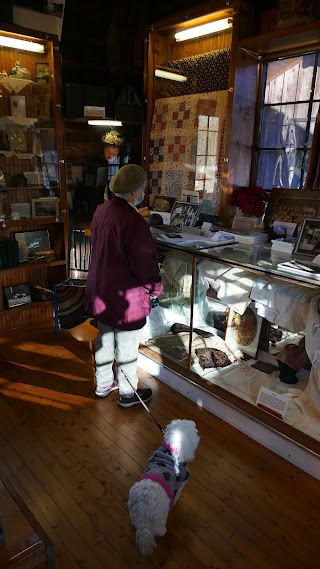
(289, 109)
(207, 158)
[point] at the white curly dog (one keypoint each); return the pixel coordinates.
(158, 489)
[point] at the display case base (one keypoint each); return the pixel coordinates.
(277, 442)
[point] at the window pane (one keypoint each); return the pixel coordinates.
(317, 85)
(280, 169)
(305, 77)
(211, 169)
(290, 82)
(212, 143)
(214, 123)
(200, 168)
(274, 83)
(266, 168)
(314, 112)
(301, 122)
(202, 142)
(202, 122)
(270, 127)
(283, 126)
(199, 185)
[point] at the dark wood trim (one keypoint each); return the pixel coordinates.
(290, 41)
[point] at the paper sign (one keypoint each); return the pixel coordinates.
(273, 402)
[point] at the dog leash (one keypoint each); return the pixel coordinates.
(141, 401)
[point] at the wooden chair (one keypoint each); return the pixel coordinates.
(69, 294)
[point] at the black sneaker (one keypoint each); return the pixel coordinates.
(145, 395)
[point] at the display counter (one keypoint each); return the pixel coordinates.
(224, 322)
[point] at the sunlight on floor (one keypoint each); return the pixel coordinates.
(44, 397)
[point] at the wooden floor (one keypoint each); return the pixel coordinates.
(73, 457)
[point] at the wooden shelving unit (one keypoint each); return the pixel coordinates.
(32, 141)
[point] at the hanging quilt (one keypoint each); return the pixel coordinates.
(187, 146)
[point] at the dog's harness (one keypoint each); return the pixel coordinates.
(162, 468)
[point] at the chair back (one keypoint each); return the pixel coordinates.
(79, 253)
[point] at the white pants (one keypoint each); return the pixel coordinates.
(122, 346)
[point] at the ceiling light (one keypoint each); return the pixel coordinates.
(104, 122)
(211, 28)
(170, 74)
(7, 41)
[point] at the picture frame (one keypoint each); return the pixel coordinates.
(163, 204)
(42, 72)
(243, 331)
(184, 214)
(18, 106)
(17, 139)
(292, 206)
(309, 238)
(33, 245)
(45, 207)
(18, 294)
(41, 103)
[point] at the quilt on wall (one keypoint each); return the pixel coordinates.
(175, 145)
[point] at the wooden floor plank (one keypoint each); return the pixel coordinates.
(73, 459)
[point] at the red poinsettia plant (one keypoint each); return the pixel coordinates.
(251, 200)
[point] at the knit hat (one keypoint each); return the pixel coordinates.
(128, 179)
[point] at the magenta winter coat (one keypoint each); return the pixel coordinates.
(123, 270)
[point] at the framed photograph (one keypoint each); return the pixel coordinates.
(42, 72)
(41, 103)
(18, 294)
(184, 214)
(18, 106)
(32, 244)
(292, 206)
(16, 138)
(190, 196)
(243, 331)
(163, 204)
(45, 207)
(309, 238)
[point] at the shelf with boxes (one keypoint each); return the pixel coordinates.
(33, 197)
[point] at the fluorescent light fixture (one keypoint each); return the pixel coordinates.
(173, 75)
(211, 28)
(24, 45)
(104, 122)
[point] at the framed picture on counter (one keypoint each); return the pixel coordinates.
(185, 214)
(163, 204)
(309, 238)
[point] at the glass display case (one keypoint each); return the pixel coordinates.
(234, 323)
(33, 198)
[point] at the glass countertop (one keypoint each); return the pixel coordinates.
(257, 257)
